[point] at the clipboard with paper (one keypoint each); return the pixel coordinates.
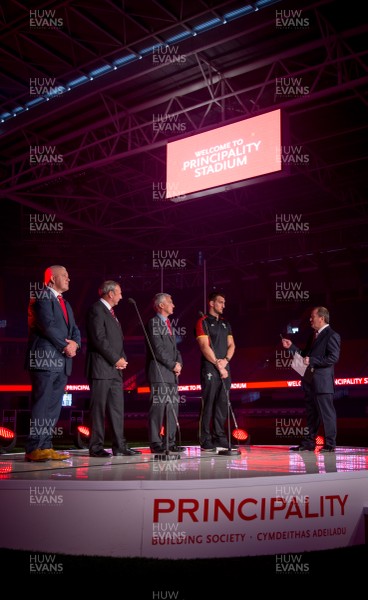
(298, 365)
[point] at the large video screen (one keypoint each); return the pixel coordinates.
(225, 155)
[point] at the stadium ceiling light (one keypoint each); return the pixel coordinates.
(119, 62)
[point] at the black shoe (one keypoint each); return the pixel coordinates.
(175, 448)
(135, 451)
(100, 454)
(127, 452)
(223, 442)
(224, 445)
(158, 450)
(209, 446)
(302, 448)
(327, 449)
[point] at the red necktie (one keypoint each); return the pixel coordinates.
(169, 326)
(63, 307)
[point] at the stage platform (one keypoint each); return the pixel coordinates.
(266, 500)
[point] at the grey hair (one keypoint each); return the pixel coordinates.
(160, 297)
(323, 312)
(107, 286)
(50, 271)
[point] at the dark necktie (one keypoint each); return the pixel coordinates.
(63, 307)
(113, 314)
(169, 326)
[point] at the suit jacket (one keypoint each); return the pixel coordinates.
(105, 343)
(165, 351)
(323, 354)
(47, 331)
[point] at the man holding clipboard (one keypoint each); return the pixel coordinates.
(316, 366)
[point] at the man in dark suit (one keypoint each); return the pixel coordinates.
(105, 362)
(53, 342)
(163, 369)
(319, 356)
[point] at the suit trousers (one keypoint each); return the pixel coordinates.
(320, 407)
(107, 396)
(164, 403)
(47, 394)
(214, 408)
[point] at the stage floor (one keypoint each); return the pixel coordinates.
(265, 500)
(193, 464)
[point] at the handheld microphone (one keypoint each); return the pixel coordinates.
(201, 314)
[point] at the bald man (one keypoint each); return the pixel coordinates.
(53, 342)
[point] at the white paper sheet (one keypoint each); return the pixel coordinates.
(298, 365)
